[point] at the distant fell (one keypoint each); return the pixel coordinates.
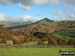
(45, 20)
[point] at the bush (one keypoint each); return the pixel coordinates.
(15, 41)
(52, 41)
(40, 43)
(62, 42)
(71, 42)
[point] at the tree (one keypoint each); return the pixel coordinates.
(40, 43)
(71, 42)
(27, 39)
(62, 42)
(52, 41)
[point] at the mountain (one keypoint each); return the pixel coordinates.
(45, 20)
(48, 26)
(20, 25)
(44, 25)
(28, 31)
(14, 25)
(9, 24)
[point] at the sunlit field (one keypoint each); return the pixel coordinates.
(33, 51)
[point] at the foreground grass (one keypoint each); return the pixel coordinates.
(32, 51)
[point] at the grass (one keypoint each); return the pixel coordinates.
(63, 36)
(33, 51)
(33, 43)
(30, 43)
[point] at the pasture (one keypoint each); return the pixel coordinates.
(34, 43)
(32, 51)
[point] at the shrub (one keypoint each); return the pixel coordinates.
(52, 41)
(62, 42)
(71, 42)
(40, 43)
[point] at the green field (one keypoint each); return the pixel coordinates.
(32, 51)
(64, 35)
(30, 43)
(34, 43)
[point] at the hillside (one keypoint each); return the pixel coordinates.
(66, 29)
(13, 25)
(40, 30)
(16, 37)
(6, 35)
(44, 25)
(48, 26)
(66, 24)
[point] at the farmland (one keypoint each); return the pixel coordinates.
(33, 51)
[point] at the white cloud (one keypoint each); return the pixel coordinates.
(2, 17)
(30, 18)
(72, 16)
(40, 2)
(24, 7)
(40, 15)
(57, 12)
(60, 18)
(66, 17)
(33, 19)
(69, 11)
(21, 18)
(69, 7)
(10, 18)
(27, 17)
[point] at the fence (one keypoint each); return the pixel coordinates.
(34, 46)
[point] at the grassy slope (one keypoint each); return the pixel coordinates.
(63, 36)
(32, 51)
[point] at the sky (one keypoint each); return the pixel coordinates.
(34, 10)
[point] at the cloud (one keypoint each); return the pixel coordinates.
(26, 4)
(72, 16)
(68, 5)
(54, 2)
(2, 17)
(30, 18)
(60, 18)
(9, 1)
(19, 19)
(24, 7)
(31, 2)
(57, 12)
(40, 15)
(13, 19)
(27, 17)
(70, 1)
(37, 2)
(69, 10)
